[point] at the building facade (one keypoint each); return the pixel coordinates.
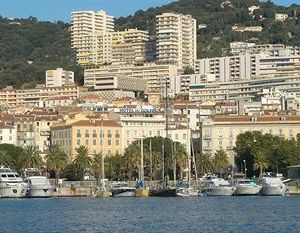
(59, 78)
(176, 39)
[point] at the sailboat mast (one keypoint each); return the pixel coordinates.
(187, 143)
(142, 157)
(167, 134)
(102, 155)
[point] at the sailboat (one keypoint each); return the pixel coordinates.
(166, 191)
(102, 192)
(141, 190)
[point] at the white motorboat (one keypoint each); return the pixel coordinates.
(214, 186)
(187, 192)
(11, 184)
(39, 186)
(246, 187)
(272, 186)
(122, 189)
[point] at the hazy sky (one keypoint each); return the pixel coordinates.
(54, 10)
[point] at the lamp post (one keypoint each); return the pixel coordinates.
(245, 167)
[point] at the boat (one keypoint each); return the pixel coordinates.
(11, 184)
(141, 190)
(214, 186)
(122, 189)
(187, 192)
(38, 185)
(246, 187)
(272, 186)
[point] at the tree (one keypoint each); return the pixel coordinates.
(30, 157)
(72, 173)
(82, 160)
(220, 160)
(96, 165)
(180, 158)
(5, 159)
(56, 159)
(261, 161)
(206, 164)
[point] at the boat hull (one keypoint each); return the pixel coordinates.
(218, 191)
(144, 192)
(40, 191)
(13, 190)
(244, 190)
(104, 194)
(187, 193)
(164, 193)
(273, 190)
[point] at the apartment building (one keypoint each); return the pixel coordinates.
(35, 97)
(8, 134)
(275, 50)
(176, 39)
(100, 136)
(59, 78)
(246, 89)
(221, 132)
(151, 74)
(248, 66)
(85, 27)
(281, 17)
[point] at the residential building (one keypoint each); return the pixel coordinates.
(151, 74)
(100, 136)
(275, 50)
(248, 66)
(59, 78)
(281, 17)
(85, 27)
(238, 28)
(35, 97)
(245, 89)
(221, 132)
(8, 134)
(176, 39)
(252, 9)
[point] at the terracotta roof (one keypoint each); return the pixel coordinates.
(91, 123)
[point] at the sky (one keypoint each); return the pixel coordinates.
(60, 10)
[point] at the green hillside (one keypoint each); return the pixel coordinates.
(29, 47)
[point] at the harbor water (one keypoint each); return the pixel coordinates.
(200, 214)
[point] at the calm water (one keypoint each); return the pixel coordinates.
(203, 214)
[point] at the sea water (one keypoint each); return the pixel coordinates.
(154, 214)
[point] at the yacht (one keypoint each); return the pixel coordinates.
(272, 186)
(122, 189)
(38, 185)
(11, 184)
(214, 186)
(246, 187)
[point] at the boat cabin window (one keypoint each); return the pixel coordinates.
(3, 175)
(17, 175)
(11, 175)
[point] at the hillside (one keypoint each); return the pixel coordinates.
(220, 16)
(29, 47)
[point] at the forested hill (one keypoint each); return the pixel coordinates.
(29, 47)
(220, 16)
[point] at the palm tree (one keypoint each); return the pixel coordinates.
(220, 160)
(206, 163)
(261, 161)
(96, 165)
(132, 159)
(5, 159)
(180, 157)
(82, 159)
(56, 159)
(30, 157)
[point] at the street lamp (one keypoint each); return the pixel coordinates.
(245, 167)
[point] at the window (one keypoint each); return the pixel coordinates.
(184, 136)
(87, 142)
(94, 133)
(38, 123)
(117, 133)
(176, 136)
(10, 131)
(127, 133)
(158, 133)
(109, 152)
(102, 133)
(10, 138)
(109, 142)
(109, 133)
(94, 142)
(78, 133)
(87, 134)
(117, 142)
